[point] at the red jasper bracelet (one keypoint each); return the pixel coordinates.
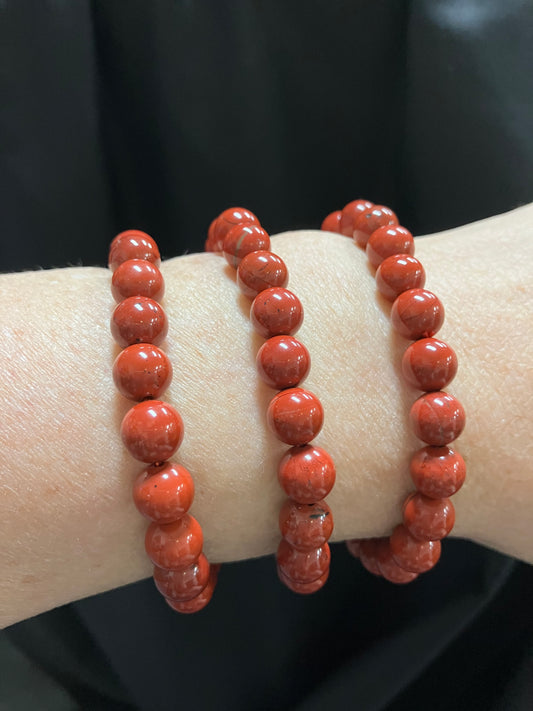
(306, 472)
(152, 430)
(437, 417)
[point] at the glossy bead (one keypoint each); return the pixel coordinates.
(437, 418)
(388, 567)
(138, 320)
(429, 364)
(387, 241)
(183, 585)
(163, 492)
(368, 550)
(305, 526)
(354, 547)
(417, 313)
(242, 240)
(306, 474)
(304, 588)
(331, 222)
(152, 431)
(411, 554)
(437, 472)
(137, 277)
(348, 214)
(200, 601)
(142, 371)
(228, 219)
(283, 362)
(175, 545)
(276, 312)
(295, 416)
(259, 271)
(133, 244)
(303, 566)
(428, 519)
(365, 223)
(398, 273)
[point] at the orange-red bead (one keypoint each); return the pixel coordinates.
(364, 223)
(306, 474)
(411, 554)
(332, 222)
(242, 240)
(304, 588)
(303, 566)
(387, 241)
(368, 551)
(137, 277)
(152, 431)
(305, 526)
(428, 519)
(283, 362)
(200, 601)
(388, 567)
(354, 547)
(437, 418)
(142, 371)
(183, 585)
(295, 416)
(163, 492)
(348, 214)
(228, 219)
(138, 320)
(429, 364)
(437, 472)
(175, 545)
(417, 313)
(259, 271)
(276, 312)
(133, 244)
(398, 273)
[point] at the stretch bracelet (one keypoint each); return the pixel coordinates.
(152, 430)
(436, 417)
(306, 472)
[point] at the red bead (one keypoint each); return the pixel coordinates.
(142, 371)
(228, 219)
(175, 545)
(417, 313)
(295, 416)
(163, 492)
(437, 418)
(348, 214)
(428, 519)
(137, 277)
(276, 312)
(398, 273)
(305, 526)
(437, 472)
(152, 431)
(242, 240)
(368, 550)
(354, 547)
(429, 364)
(388, 567)
(303, 566)
(306, 474)
(304, 588)
(283, 362)
(365, 223)
(259, 271)
(138, 319)
(411, 554)
(200, 601)
(332, 222)
(133, 244)
(183, 585)
(387, 241)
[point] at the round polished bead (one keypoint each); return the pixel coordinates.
(398, 273)
(259, 271)
(303, 566)
(437, 472)
(306, 474)
(142, 371)
(388, 567)
(348, 214)
(305, 526)
(276, 312)
(365, 223)
(411, 554)
(429, 364)
(295, 416)
(387, 241)
(354, 547)
(137, 277)
(331, 222)
(437, 418)
(428, 519)
(133, 244)
(152, 431)
(183, 585)
(368, 551)
(304, 588)
(163, 492)
(200, 601)
(228, 219)
(283, 362)
(175, 545)
(242, 240)
(417, 313)
(138, 319)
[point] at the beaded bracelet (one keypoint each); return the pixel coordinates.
(306, 472)
(152, 430)
(437, 417)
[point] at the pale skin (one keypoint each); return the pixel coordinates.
(68, 525)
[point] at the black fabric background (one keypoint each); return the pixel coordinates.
(157, 115)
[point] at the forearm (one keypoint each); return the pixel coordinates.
(67, 519)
